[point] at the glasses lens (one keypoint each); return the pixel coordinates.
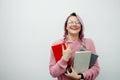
(72, 22)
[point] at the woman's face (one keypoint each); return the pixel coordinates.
(73, 25)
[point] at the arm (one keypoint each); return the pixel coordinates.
(56, 69)
(91, 73)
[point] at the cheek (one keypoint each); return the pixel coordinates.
(80, 28)
(68, 27)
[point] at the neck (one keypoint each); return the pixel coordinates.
(73, 37)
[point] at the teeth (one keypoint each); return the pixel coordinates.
(74, 29)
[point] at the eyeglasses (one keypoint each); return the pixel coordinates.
(72, 22)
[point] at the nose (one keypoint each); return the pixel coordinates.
(74, 23)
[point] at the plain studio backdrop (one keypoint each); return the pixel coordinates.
(29, 27)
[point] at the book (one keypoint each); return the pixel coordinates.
(81, 61)
(84, 60)
(93, 59)
(57, 51)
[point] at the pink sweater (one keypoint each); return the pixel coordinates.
(58, 69)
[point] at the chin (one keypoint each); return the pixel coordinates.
(74, 33)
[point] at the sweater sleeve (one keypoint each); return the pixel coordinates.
(56, 69)
(93, 72)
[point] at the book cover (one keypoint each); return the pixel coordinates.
(93, 59)
(84, 60)
(81, 61)
(57, 51)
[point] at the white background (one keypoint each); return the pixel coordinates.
(29, 27)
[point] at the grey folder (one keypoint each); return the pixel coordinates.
(83, 60)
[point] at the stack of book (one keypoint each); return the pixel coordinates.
(84, 60)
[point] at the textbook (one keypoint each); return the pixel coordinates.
(84, 60)
(57, 51)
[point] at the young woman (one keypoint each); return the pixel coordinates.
(74, 38)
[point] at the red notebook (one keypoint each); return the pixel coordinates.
(57, 51)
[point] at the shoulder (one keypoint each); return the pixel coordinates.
(89, 44)
(88, 40)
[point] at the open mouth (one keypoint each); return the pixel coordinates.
(74, 28)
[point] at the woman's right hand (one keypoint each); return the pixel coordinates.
(73, 74)
(67, 53)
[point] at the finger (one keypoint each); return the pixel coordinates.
(68, 48)
(66, 74)
(66, 45)
(72, 68)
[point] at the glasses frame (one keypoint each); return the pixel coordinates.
(73, 22)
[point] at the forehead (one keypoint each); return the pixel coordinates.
(73, 18)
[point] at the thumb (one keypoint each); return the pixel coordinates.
(64, 46)
(71, 67)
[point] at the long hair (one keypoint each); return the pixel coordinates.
(81, 34)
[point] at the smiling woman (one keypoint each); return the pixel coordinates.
(73, 23)
(74, 40)
(73, 27)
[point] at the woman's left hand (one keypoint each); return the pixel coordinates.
(73, 74)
